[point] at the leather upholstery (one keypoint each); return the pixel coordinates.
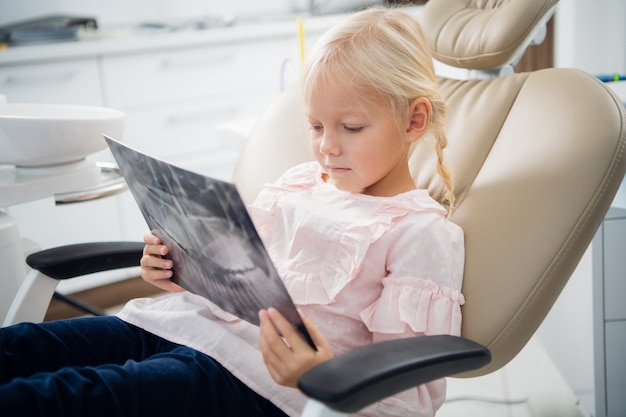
(482, 34)
(537, 159)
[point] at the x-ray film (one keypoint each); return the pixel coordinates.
(216, 250)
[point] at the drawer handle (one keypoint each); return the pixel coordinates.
(194, 62)
(201, 116)
(40, 78)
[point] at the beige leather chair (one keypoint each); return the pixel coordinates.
(537, 159)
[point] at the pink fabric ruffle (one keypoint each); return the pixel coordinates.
(418, 303)
(319, 264)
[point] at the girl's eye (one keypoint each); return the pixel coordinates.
(353, 129)
(316, 128)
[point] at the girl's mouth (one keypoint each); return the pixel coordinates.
(337, 169)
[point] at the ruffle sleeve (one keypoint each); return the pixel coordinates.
(414, 305)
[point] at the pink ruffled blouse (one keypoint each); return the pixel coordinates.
(362, 268)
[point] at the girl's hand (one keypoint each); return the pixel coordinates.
(155, 269)
(289, 356)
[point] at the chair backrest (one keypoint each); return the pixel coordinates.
(537, 160)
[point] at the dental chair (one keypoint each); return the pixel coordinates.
(537, 160)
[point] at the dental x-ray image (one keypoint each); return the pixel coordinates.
(216, 250)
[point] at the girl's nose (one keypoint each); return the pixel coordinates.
(329, 145)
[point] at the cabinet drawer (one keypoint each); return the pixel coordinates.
(615, 337)
(614, 269)
(156, 78)
(185, 128)
(67, 82)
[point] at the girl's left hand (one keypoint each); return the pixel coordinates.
(289, 356)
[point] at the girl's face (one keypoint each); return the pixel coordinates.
(359, 146)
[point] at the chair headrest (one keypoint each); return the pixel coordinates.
(483, 34)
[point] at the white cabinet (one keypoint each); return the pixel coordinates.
(175, 90)
(609, 289)
(183, 134)
(186, 130)
(175, 97)
(74, 81)
(188, 73)
(67, 82)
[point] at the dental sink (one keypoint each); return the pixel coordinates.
(43, 148)
(35, 135)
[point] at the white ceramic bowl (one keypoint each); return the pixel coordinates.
(51, 134)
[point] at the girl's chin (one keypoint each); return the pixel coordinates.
(345, 187)
(341, 185)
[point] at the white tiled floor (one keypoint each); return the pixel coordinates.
(529, 386)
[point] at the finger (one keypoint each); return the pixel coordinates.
(151, 239)
(155, 268)
(286, 329)
(155, 250)
(281, 366)
(270, 342)
(160, 278)
(154, 274)
(155, 262)
(154, 246)
(273, 335)
(286, 365)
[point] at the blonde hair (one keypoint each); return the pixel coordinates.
(382, 52)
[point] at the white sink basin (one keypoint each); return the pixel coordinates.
(34, 135)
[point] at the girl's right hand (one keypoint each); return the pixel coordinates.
(155, 269)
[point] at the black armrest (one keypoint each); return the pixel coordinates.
(85, 258)
(351, 381)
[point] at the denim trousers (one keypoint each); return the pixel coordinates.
(103, 366)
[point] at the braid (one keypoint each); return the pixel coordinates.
(443, 170)
(438, 129)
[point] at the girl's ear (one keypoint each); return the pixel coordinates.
(420, 111)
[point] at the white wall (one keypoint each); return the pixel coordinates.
(591, 35)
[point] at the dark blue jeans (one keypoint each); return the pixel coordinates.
(102, 366)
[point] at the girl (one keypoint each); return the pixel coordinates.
(364, 254)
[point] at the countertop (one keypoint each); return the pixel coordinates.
(128, 40)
